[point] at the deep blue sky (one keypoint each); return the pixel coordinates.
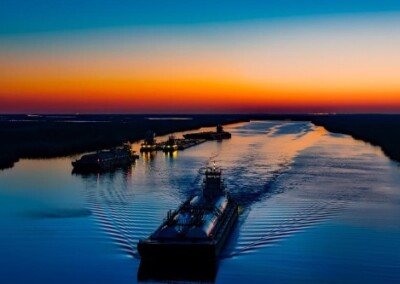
(27, 16)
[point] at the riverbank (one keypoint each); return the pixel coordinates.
(54, 136)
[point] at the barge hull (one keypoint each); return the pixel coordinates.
(177, 271)
(152, 250)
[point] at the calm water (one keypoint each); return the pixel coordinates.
(315, 207)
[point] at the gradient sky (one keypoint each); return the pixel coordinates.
(199, 56)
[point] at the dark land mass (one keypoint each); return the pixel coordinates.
(47, 136)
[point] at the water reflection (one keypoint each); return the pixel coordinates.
(170, 154)
(123, 174)
(148, 156)
(204, 272)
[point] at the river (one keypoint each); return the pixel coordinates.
(315, 207)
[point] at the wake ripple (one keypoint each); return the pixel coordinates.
(265, 226)
(122, 217)
(275, 174)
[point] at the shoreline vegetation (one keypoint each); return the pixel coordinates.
(48, 136)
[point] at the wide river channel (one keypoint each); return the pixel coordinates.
(315, 207)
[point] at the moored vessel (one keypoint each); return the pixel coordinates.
(106, 159)
(198, 229)
(149, 144)
(219, 134)
(170, 145)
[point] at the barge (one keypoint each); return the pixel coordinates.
(219, 134)
(198, 229)
(149, 144)
(106, 159)
(187, 143)
(170, 145)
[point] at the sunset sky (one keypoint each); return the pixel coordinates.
(199, 56)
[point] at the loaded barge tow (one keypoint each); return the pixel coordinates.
(219, 134)
(149, 144)
(198, 229)
(106, 160)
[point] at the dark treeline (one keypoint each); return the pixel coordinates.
(53, 136)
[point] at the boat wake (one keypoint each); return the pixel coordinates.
(306, 192)
(114, 207)
(282, 175)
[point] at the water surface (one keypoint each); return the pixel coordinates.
(315, 207)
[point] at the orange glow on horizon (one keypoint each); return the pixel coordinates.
(62, 86)
(195, 97)
(248, 69)
(80, 93)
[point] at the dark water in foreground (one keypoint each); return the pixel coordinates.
(316, 207)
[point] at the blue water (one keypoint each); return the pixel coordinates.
(315, 207)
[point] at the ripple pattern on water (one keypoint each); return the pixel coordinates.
(272, 171)
(307, 197)
(251, 171)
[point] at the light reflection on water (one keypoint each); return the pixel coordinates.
(314, 207)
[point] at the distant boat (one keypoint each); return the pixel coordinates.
(170, 145)
(198, 229)
(106, 159)
(149, 144)
(219, 134)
